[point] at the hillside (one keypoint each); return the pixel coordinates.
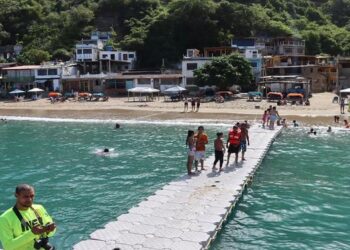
(159, 29)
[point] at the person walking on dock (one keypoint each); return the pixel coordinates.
(201, 140)
(219, 150)
(233, 143)
(244, 139)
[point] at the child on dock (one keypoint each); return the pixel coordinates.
(219, 150)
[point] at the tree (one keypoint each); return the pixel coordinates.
(34, 56)
(225, 71)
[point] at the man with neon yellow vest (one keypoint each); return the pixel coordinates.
(26, 226)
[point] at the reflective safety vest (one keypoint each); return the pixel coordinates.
(234, 137)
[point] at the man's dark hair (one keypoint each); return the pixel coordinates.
(200, 127)
(23, 187)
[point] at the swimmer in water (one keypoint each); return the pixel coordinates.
(329, 129)
(106, 150)
(311, 132)
(117, 126)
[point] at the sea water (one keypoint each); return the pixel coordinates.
(299, 198)
(79, 187)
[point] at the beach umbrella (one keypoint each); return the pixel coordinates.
(16, 92)
(54, 94)
(35, 90)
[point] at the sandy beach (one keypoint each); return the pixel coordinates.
(320, 112)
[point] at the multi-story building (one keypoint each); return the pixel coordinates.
(271, 46)
(47, 76)
(320, 70)
(88, 50)
(252, 50)
(21, 77)
(286, 46)
(192, 61)
(94, 56)
(116, 61)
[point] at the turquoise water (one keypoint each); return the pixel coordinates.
(299, 198)
(81, 190)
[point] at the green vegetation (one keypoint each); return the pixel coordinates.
(159, 29)
(224, 72)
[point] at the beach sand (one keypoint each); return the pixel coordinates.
(320, 112)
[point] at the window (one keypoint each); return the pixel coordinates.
(79, 51)
(254, 64)
(345, 65)
(87, 51)
(131, 56)
(42, 72)
(112, 56)
(104, 56)
(192, 66)
(121, 85)
(125, 57)
(288, 50)
(52, 72)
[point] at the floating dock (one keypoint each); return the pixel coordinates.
(188, 212)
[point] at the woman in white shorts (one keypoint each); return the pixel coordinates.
(190, 142)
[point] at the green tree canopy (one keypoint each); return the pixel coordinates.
(34, 56)
(224, 72)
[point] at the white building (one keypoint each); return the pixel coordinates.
(49, 76)
(191, 62)
(88, 50)
(126, 59)
(96, 56)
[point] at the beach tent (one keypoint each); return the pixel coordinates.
(345, 91)
(148, 91)
(174, 90)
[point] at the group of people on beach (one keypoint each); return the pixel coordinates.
(237, 140)
(270, 117)
(195, 104)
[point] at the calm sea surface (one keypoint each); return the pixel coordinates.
(81, 190)
(300, 197)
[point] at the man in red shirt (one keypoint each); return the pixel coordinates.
(233, 143)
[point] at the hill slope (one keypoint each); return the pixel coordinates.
(165, 28)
